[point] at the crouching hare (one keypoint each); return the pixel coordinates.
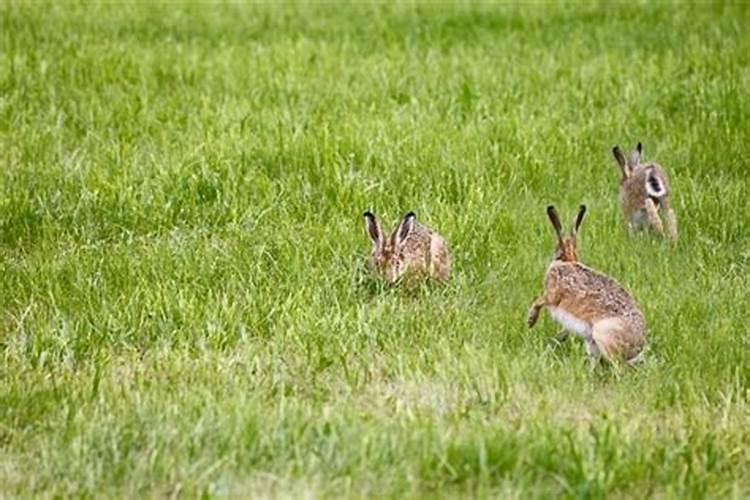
(411, 249)
(590, 304)
(644, 194)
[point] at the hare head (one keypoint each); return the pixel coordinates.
(566, 246)
(387, 258)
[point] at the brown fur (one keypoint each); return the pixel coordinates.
(639, 209)
(613, 324)
(412, 249)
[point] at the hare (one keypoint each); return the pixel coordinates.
(589, 303)
(644, 192)
(412, 248)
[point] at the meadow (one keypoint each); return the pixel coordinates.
(185, 308)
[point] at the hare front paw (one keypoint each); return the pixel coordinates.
(533, 315)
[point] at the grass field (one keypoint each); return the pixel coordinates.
(184, 303)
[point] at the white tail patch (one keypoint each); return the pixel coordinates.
(654, 185)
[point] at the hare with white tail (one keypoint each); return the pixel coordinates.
(644, 194)
(589, 303)
(412, 249)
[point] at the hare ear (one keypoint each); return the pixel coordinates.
(373, 228)
(635, 155)
(620, 160)
(555, 220)
(404, 228)
(579, 219)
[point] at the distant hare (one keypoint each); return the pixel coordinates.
(412, 248)
(644, 192)
(589, 303)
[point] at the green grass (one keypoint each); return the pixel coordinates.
(184, 305)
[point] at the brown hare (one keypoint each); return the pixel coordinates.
(644, 193)
(588, 303)
(411, 249)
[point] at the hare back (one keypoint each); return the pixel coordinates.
(588, 295)
(440, 258)
(425, 249)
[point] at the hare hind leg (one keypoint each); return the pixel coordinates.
(670, 221)
(636, 360)
(562, 335)
(614, 340)
(652, 213)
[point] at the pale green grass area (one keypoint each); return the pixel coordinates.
(184, 304)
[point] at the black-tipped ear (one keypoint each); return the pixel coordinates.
(635, 155)
(620, 158)
(555, 220)
(403, 230)
(621, 161)
(579, 219)
(373, 228)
